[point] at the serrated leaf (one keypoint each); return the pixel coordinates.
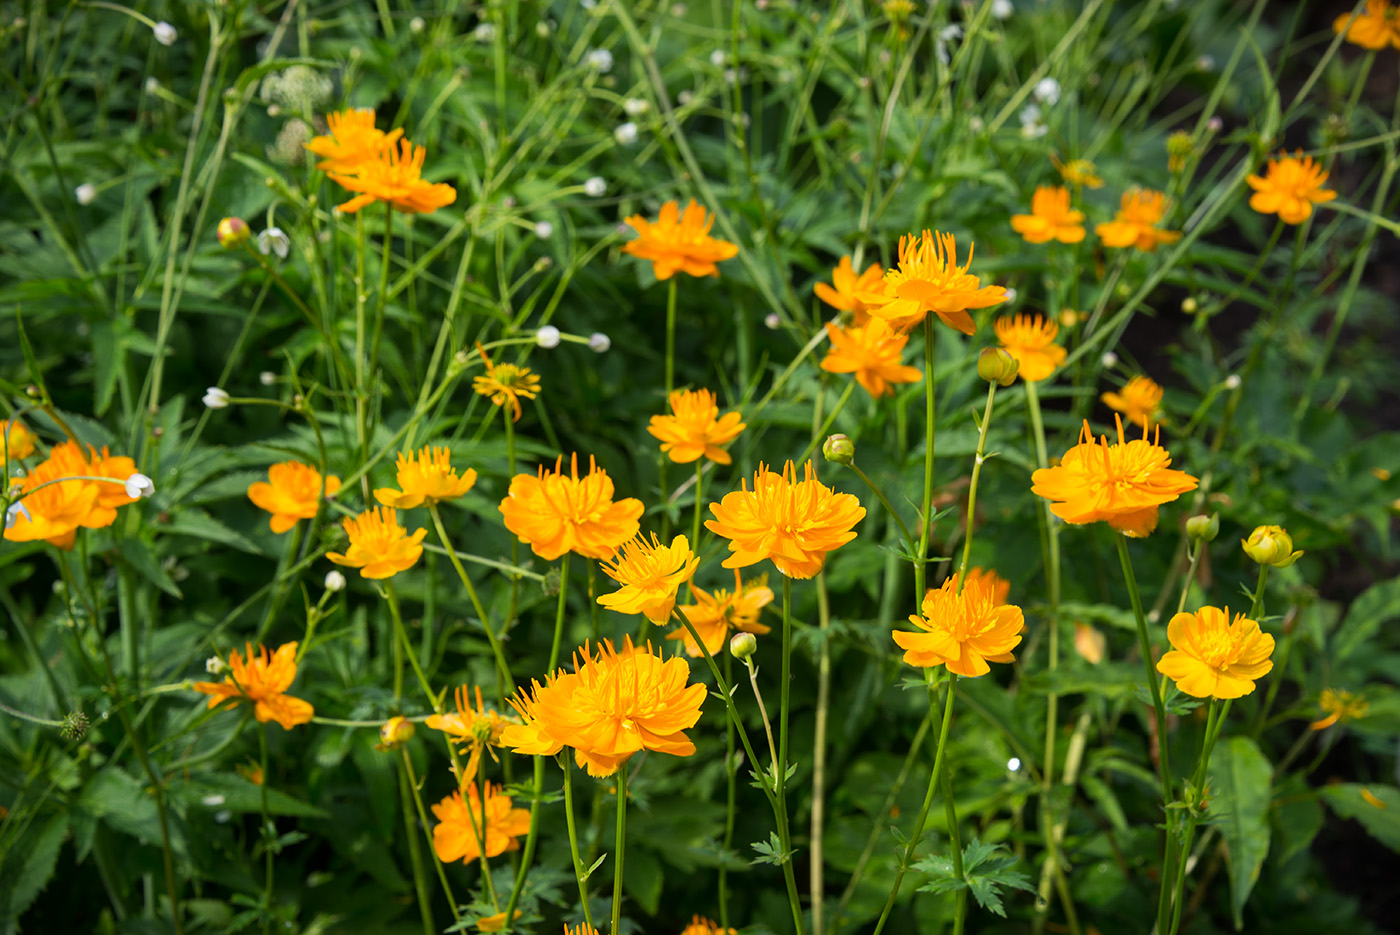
(1241, 779)
(29, 865)
(239, 795)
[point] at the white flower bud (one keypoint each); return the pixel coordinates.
(152, 85)
(165, 33)
(417, 24)
(273, 240)
(1047, 91)
(215, 398)
(600, 60)
(626, 133)
(635, 106)
(138, 486)
(773, 321)
(1108, 360)
(547, 337)
(335, 581)
(1002, 9)
(597, 341)
(717, 57)
(267, 378)
(1010, 294)
(85, 193)
(1233, 381)
(16, 509)
(484, 32)
(595, 187)
(215, 665)
(544, 230)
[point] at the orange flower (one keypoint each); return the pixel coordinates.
(986, 577)
(929, 279)
(1050, 218)
(845, 287)
(261, 679)
(353, 140)
(614, 705)
(426, 476)
(291, 492)
(696, 428)
(1339, 706)
(1089, 643)
(963, 631)
(1077, 172)
(583, 928)
(699, 925)
(794, 523)
(650, 574)
(677, 242)
(872, 352)
(466, 822)
(394, 175)
(1214, 658)
(497, 922)
(1031, 340)
(557, 513)
(1120, 484)
(505, 383)
(379, 546)
(714, 615)
(1290, 187)
(116, 467)
(1375, 29)
(1135, 225)
(1140, 401)
(19, 441)
(474, 730)
(57, 507)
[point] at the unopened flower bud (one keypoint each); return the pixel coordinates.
(1203, 528)
(599, 342)
(595, 187)
(233, 231)
(544, 230)
(74, 726)
(138, 486)
(772, 321)
(417, 24)
(274, 240)
(839, 449)
(335, 581)
(165, 33)
(547, 337)
(1271, 545)
(215, 665)
(267, 378)
(85, 193)
(215, 398)
(1189, 305)
(743, 645)
(626, 133)
(995, 365)
(394, 733)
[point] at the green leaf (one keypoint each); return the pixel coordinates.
(642, 878)
(1383, 821)
(770, 851)
(138, 555)
(200, 525)
(124, 805)
(986, 869)
(29, 865)
(1376, 605)
(239, 795)
(1241, 778)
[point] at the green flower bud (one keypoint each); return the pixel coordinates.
(839, 449)
(1271, 545)
(995, 365)
(742, 645)
(1203, 528)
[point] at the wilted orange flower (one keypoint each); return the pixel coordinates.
(291, 492)
(872, 352)
(714, 615)
(1290, 187)
(19, 441)
(699, 925)
(1376, 28)
(467, 821)
(1089, 643)
(1135, 225)
(696, 428)
(475, 730)
(1050, 217)
(497, 922)
(1214, 658)
(613, 705)
(557, 513)
(794, 523)
(677, 242)
(650, 574)
(353, 140)
(929, 279)
(1339, 706)
(379, 546)
(843, 293)
(253, 772)
(963, 631)
(426, 476)
(1120, 484)
(505, 383)
(394, 175)
(1140, 401)
(261, 679)
(1077, 172)
(1031, 340)
(57, 507)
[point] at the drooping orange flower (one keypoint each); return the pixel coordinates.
(116, 467)
(844, 292)
(1121, 484)
(505, 383)
(613, 705)
(353, 140)
(873, 352)
(699, 925)
(929, 279)
(57, 507)
(695, 428)
(962, 630)
(1031, 340)
(556, 512)
(426, 476)
(1135, 225)
(650, 573)
(475, 730)
(715, 614)
(497, 923)
(1077, 172)
(394, 175)
(1140, 400)
(466, 822)
(1051, 217)
(379, 546)
(1376, 28)
(1291, 185)
(262, 679)
(1214, 658)
(679, 242)
(291, 492)
(1339, 706)
(794, 523)
(19, 441)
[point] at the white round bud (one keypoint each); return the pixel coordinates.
(335, 581)
(1233, 381)
(599, 342)
(1109, 359)
(547, 337)
(1002, 9)
(635, 106)
(544, 230)
(773, 321)
(85, 193)
(595, 187)
(626, 133)
(165, 33)
(138, 486)
(600, 60)
(417, 24)
(267, 378)
(215, 398)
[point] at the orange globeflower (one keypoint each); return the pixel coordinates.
(54, 508)
(1120, 484)
(1050, 217)
(116, 467)
(1077, 172)
(395, 176)
(845, 287)
(426, 476)
(872, 352)
(963, 631)
(986, 577)
(1340, 706)
(261, 679)
(1214, 658)
(583, 928)
(714, 615)
(505, 383)
(474, 730)
(677, 242)
(650, 574)
(353, 140)
(291, 492)
(696, 428)
(929, 279)
(465, 822)
(613, 705)
(1140, 401)
(794, 523)
(379, 546)
(556, 512)
(1135, 225)
(1030, 339)
(1375, 29)
(699, 925)
(1290, 187)
(19, 441)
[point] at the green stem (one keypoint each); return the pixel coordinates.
(780, 770)
(819, 436)
(699, 503)
(925, 517)
(433, 700)
(420, 884)
(619, 847)
(950, 814)
(670, 386)
(972, 485)
(559, 614)
(573, 839)
(531, 840)
(269, 833)
(731, 790)
(889, 508)
(506, 684)
(427, 832)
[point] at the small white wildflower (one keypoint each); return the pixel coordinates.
(626, 134)
(1010, 294)
(215, 398)
(544, 230)
(718, 58)
(599, 342)
(730, 76)
(547, 337)
(274, 110)
(600, 60)
(1205, 63)
(940, 45)
(267, 378)
(138, 486)
(484, 32)
(1233, 381)
(595, 187)
(1032, 126)
(273, 240)
(335, 581)
(635, 106)
(213, 801)
(976, 124)
(165, 33)
(1002, 9)
(16, 509)
(85, 193)
(1108, 360)
(215, 665)
(773, 321)
(1047, 91)
(152, 85)
(1215, 124)
(417, 24)
(1013, 764)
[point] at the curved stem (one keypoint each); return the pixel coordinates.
(819, 435)
(972, 484)
(950, 814)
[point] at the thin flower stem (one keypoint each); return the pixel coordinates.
(573, 838)
(433, 700)
(819, 435)
(619, 847)
(699, 503)
(361, 426)
(1190, 576)
(559, 613)
(428, 834)
(763, 712)
(507, 684)
(531, 840)
(670, 385)
(1215, 719)
(925, 518)
(514, 540)
(382, 309)
(889, 508)
(816, 874)
(950, 814)
(731, 790)
(972, 484)
(269, 832)
(420, 884)
(780, 771)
